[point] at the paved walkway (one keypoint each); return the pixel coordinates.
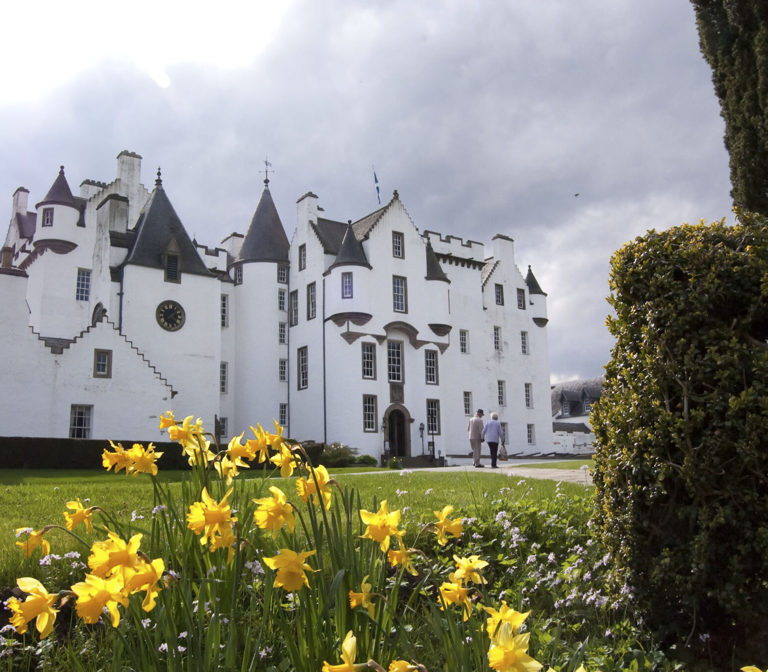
(581, 476)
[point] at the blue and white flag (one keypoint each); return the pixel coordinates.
(376, 182)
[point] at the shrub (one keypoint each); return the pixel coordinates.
(394, 463)
(681, 468)
(366, 461)
(337, 455)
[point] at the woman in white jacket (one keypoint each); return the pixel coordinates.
(493, 434)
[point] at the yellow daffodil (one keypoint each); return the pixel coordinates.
(290, 567)
(226, 468)
(114, 555)
(381, 525)
(316, 486)
(273, 513)
(120, 459)
(508, 652)
(96, 594)
(38, 605)
(191, 436)
(209, 517)
(259, 444)
(363, 598)
(79, 515)
(276, 440)
(348, 653)
(748, 668)
(144, 577)
(401, 666)
(33, 540)
(445, 526)
(504, 615)
(455, 593)
(167, 420)
(468, 569)
(285, 460)
(225, 540)
(402, 557)
(239, 452)
(143, 460)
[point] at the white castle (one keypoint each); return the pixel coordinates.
(368, 333)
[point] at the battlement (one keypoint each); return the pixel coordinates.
(455, 246)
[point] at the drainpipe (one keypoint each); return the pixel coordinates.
(288, 357)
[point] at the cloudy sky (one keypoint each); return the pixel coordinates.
(570, 126)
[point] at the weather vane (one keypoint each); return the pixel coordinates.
(267, 171)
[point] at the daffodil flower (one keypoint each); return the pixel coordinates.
(291, 568)
(402, 557)
(469, 568)
(226, 468)
(143, 459)
(285, 460)
(113, 555)
(120, 459)
(209, 517)
(259, 445)
(167, 420)
(37, 605)
(144, 577)
(316, 486)
(452, 592)
(508, 652)
(96, 594)
(348, 653)
(274, 513)
(401, 666)
(504, 615)
(239, 452)
(381, 525)
(79, 515)
(34, 539)
(445, 526)
(363, 598)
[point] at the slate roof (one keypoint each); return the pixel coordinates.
(330, 234)
(351, 251)
(59, 193)
(533, 285)
(575, 390)
(158, 230)
(434, 270)
(265, 239)
(26, 223)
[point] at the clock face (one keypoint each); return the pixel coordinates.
(170, 315)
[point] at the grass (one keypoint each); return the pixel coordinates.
(567, 464)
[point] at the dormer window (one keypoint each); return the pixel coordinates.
(47, 216)
(398, 245)
(172, 271)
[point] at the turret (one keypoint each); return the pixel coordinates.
(59, 214)
(538, 299)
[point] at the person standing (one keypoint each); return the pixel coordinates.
(493, 434)
(475, 429)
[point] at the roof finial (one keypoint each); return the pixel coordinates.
(159, 180)
(395, 195)
(267, 166)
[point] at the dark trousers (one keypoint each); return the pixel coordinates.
(493, 446)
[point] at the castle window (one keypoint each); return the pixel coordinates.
(281, 333)
(501, 392)
(433, 416)
(302, 368)
(521, 299)
(283, 414)
(346, 285)
(80, 421)
(395, 361)
(531, 432)
(565, 408)
(398, 246)
(499, 291)
(369, 360)
(497, 338)
(282, 274)
(47, 216)
(223, 377)
(293, 305)
(311, 301)
(430, 367)
(302, 257)
(172, 273)
(528, 395)
(281, 299)
(225, 310)
(83, 287)
(467, 403)
(370, 413)
(239, 274)
(221, 428)
(282, 370)
(102, 363)
(463, 341)
(524, 343)
(399, 294)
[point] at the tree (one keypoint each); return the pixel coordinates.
(681, 469)
(733, 35)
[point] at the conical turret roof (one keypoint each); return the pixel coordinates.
(351, 251)
(159, 231)
(434, 270)
(59, 193)
(266, 239)
(533, 285)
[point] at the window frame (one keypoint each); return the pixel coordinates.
(80, 421)
(525, 345)
(282, 333)
(347, 285)
(172, 268)
(467, 402)
(431, 370)
(224, 311)
(433, 417)
(520, 298)
(293, 308)
(302, 256)
(497, 338)
(83, 285)
(282, 295)
(282, 274)
(501, 392)
(498, 290)
(282, 414)
(370, 413)
(369, 358)
(528, 392)
(464, 341)
(530, 431)
(311, 300)
(399, 294)
(47, 217)
(302, 367)
(282, 370)
(107, 373)
(394, 346)
(398, 245)
(223, 377)
(238, 275)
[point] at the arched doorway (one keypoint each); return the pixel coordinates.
(398, 431)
